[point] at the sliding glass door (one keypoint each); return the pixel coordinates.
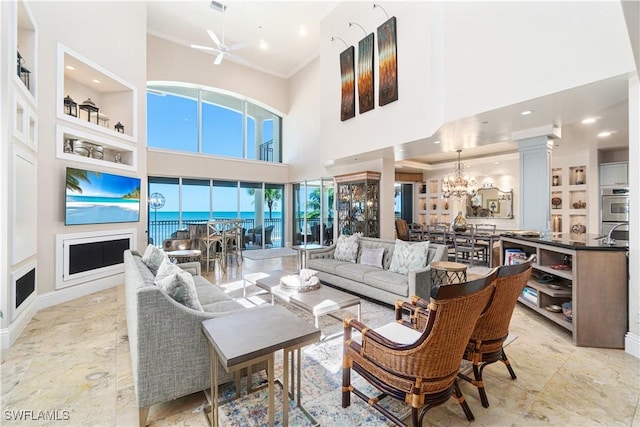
(313, 212)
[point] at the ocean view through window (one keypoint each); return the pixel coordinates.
(196, 119)
(196, 201)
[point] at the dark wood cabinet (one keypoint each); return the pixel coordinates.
(358, 203)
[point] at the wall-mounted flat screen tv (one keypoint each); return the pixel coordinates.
(100, 198)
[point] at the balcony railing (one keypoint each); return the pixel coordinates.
(167, 229)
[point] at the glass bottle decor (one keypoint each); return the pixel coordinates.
(459, 223)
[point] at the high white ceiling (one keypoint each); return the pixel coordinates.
(279, 24)
(276, 23)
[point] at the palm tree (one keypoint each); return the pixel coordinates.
(313, 202)
(271, 196)
(74, 176)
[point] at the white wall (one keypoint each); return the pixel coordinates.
(113, 39)
(302, 128)
(501, 53)
(416, 114)
(492, 54)
(168, 61)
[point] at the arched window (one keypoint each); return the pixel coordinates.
(196, 119)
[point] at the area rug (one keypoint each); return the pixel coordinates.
(258, 254)
(321, 375)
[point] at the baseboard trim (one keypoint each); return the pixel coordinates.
(632, 344)
(68, 294)
(9, 335)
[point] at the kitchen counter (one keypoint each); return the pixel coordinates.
(584, 242)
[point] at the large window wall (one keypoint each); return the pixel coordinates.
(196, 119)
(313, 212)
(196, 201)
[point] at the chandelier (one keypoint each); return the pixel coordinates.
(458, 184)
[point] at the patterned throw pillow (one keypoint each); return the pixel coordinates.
(181, 287)
(372, 257)
(346, 248)
(167, 268)
(153, 257)
(409, 257)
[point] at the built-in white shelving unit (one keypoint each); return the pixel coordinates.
(81, 79)
(432, 206)
(569, 200)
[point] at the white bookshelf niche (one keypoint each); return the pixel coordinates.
(79, 146)
(81, 79)
(25, 74)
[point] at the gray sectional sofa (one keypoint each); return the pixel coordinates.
(169, 352)
(376, 283)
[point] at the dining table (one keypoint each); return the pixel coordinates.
(483, 238)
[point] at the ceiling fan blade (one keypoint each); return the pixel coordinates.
(215, 38)
(195, 46)
(237, 46)
(238, 59)
(218, 58)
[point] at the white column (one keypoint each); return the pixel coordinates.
(535, 147)
(632, 339)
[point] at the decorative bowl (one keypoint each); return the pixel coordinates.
(554, 308)
(578, 228)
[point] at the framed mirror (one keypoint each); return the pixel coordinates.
(490, 202)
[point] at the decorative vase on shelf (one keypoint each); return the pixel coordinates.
(459, 223)
(446, 206)
(579, 176)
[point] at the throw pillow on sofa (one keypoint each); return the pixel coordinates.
(372, 257)
(409, 257)
(167, 268)
(153, 257)
(346, 248)
(178, 284)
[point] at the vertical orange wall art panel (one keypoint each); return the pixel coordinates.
(365, 74)
(388, 65)
(347, 72)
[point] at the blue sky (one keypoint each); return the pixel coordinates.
(172, 123)
(106, 185)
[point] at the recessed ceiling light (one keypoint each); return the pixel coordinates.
(526, 112)
(95, 81)
(263, 45)
(604, 134)
(302, 31)
(70, 67)
(589, 120)
(436, 142)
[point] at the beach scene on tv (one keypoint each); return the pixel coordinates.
(98, 198)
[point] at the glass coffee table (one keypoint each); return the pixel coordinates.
(319, 302)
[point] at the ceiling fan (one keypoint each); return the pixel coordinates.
(220, 47)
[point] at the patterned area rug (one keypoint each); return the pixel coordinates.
(258, 254)
(321, 375)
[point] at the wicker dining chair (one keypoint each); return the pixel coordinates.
(486, 343)
(423, 373)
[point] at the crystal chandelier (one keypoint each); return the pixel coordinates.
(458, 184)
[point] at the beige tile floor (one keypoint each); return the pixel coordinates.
(72, 362)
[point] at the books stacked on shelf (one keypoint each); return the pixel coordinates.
(514, 256)
(530, 295)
